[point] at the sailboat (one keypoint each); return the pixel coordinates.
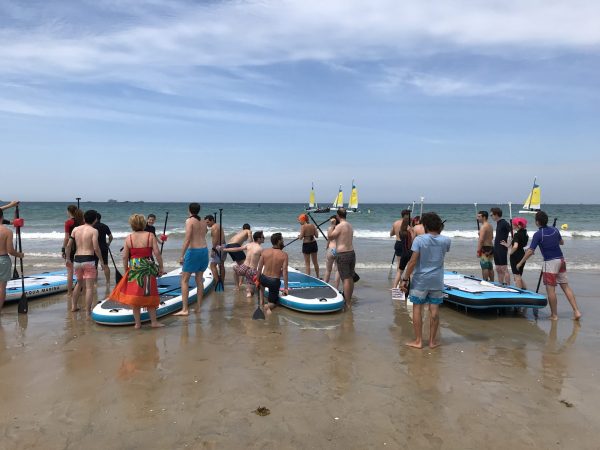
(534, 200)
(353, 203)
(312, 204)
(338, 202)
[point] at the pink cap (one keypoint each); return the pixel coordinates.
(520, 222)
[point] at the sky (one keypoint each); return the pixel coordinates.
(253, 101)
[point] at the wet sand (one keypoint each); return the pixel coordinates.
(338, 381)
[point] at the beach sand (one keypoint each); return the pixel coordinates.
(338, 381)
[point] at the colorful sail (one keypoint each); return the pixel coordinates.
(534, 199)
(339, 200)
(353, 204)
(311, 199)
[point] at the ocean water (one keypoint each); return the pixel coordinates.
(43, 231)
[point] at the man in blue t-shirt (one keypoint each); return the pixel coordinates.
(427, 267)
(554, 268)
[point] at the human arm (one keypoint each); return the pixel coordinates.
(410, 267)
(232, 249)
(110, 238)
(67, 251)
(10, 205)
(186, 240)
(527, 255)
(285, 275)
(97, 248)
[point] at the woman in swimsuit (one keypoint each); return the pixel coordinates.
(310, 249)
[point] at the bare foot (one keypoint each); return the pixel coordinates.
(137, 326)
(182, 313)
(577, 315)
(553, 317)
(434, 344)
(248, 294)
(415, 344)
(157, 325)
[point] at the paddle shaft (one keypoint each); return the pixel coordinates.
(537, 289)
(319, 226)
(118, 275)
(23, 306)
(476, 213)
(291, 242)
(162, 244)
(15, 275)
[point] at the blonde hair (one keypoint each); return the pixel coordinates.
(137, 222)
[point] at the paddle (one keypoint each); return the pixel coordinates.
(537, 289)
(259, 314)
(422, 198)
(15, 275)
(23, 306)
(291, 242)
(476, 213)
(219, 287)
(118, 275)
(162, 244)
(319, 226)
(77, 198)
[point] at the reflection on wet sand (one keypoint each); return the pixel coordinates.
(555, 357)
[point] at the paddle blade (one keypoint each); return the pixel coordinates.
(16, 275)
(258, 314)
(23, 307)
(219, 286)
(355, 277)
(118, 276)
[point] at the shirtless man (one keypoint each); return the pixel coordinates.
(485, 247)
(273, 264)
(248, 267)
(216, 257)
(194, 257)
(238, 256)
(6, 249)
(85, 239)
(345, 257)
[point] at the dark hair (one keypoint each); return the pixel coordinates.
(334, 217)
(90, 216)
(257, 235)
(1, 213)
(405, 212)
(194, 208)
(78, 217)
(416, 220)
(98, 216)
(432, 222)
(542, 218)
(483, 214)
(403, 231)
(209, 218)
(72, 209)
(496, 211)
(246, 226)
(150, 216)
(276, 238)
(341, 212)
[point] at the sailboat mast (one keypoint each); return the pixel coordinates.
(531, 195)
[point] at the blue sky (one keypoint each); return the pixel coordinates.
(251, 101)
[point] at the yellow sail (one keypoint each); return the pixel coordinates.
(311, 199)
(534, 199)
(339, 200)
(353, 204)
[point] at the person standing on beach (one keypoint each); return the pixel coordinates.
(485, 249)
(516, 250)
(150, 228)
(330, 253)
(194, 257)
(84, 239)
(272, 266)
(417, 226)
(500, 251)
(245, 234)
(345, 257)
(6, 249)
(404, 244)
(398, 247)
(103, 233)
(248, 268)
(217, 258)
(310, 249)
(426, 266)
(75, 219)
(554, 268)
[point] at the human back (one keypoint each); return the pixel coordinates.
(274, 261)
(197, 232)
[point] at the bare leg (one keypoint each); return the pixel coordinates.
(213, 269)
(348, 291)
(106, 274)
(337, 278)
(551, 291)
(306, 263)
(2, 293)
(90, 285)
(185, 293)
(200, 289)
(136, 317)
(222, 268)
(75, 295)
(519, 281)
(571, 298)
(236, 277)
(418, 327)
(153, 322)
(434, 325)
(397, 277)
(69, 279)
(315, 262)
(328, 267)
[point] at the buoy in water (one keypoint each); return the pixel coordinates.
(564, 226)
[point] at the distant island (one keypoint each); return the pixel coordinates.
(112, 200)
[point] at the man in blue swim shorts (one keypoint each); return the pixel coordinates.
(427, 267)
(194, 257)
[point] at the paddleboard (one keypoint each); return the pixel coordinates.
(309, 294)
(473, 292)
(37, 285)
(109, 312)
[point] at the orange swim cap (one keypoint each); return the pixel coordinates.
(303, 218)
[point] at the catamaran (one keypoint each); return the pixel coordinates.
(534, 200)
(337, 203)
(312, 204)
(353, 203)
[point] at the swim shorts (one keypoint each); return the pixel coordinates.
(243, 270)
(5, 268)
(273, 284)
(236, 256)
(345, 263)
(309, 248)
(419, 297)
(405, 258)
(555, 272)
(218, 257)
(398, 248)
(84, 267)
(195, 260)
(486, 262)
(501, 255)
